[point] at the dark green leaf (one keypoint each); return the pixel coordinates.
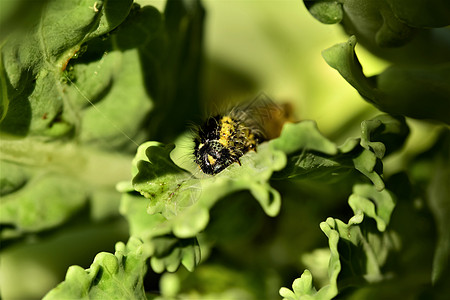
(422, 13)
(418, 92)
(327, 12)
(398, 30)
(358, 248)
(432, 171)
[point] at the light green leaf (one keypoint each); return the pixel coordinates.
(42, 203)
(59, 189)
(17, 177)
(165, 250)
(381, 131)
(51, 131)
(169, 285)
(179, 202)
(301, 286)
(170, 252)
(118, 276)
(312, 156)
(185, 200)
(373, 203)
(366, 163)
(304, 135)
(33, 62)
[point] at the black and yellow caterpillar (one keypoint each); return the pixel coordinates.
(223, 139)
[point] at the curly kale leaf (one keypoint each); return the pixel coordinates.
(176, 203)
(431, 173)
(34, 58)
(417, 92)
(358, 249)
(113, 276)
(379, 137)
(184, 200)
(398, 30)
(69, 86)
(49, 164)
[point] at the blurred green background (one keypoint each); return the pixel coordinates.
(250, 47)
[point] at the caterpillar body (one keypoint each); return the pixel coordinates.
(224, 138)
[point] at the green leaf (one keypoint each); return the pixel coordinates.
(431, 170)
(373, 203)
(185, 200)
(118, 276)
(112, 75)
(33, 63)
(439, 199)
(57, 190)
(169, 285)
(66, 106)
(312, 156)
(171, 252)
(303, 135)
(406, 88)
(301, 286)
(178, 69)
(17, 15)
(17, 177)
(398, 90)
(179, 202)
(343, 58)
(422, 13)
(381, 131)
(405, 32)
(41, 203)
(366, 163)
(157, 174)
(379, 22)
(165, 250)
(327, 12)
(316, 151)
(358, 249)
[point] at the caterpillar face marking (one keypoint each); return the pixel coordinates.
(222, 140)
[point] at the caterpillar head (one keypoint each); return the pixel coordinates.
(212, 157)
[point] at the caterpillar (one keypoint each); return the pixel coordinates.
(224, 138)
